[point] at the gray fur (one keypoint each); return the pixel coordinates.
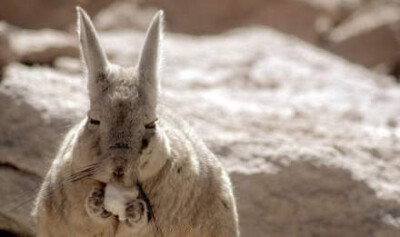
(189, 191)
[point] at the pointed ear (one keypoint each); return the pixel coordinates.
(91, 50)
(149, 61)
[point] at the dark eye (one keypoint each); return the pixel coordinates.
(94, 122)
(151, 125)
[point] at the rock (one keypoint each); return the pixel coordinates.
(345, 27)
(311, 141)
(36, 14)
(211, 17)
(298, 17)
(6, 53)
(30, 99)
(18, 191)
(68, 64)
(124, 15)
(369, 36)
(338, 10)
(43, 46)
(305, 199)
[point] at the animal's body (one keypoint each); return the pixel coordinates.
(130, 140)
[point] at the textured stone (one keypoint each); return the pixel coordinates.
(124, 14)
(18, 190)
(37, 105)
(359, 30)
(6, 53)
(210, 17)
(369, 36)
(42, 46)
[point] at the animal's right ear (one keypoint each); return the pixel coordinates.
(91, 50)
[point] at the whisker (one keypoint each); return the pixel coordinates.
(84, 173)
(51, 191)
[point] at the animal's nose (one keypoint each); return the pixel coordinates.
(118, 172)
(120, 145)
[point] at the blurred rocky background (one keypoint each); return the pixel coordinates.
(299, 99)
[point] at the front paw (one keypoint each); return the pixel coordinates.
(136, 213)
(94, 204)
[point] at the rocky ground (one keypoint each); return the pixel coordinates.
(363, 31)
(311, 141)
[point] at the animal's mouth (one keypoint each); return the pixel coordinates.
(142, 195)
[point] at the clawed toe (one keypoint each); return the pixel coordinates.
(95, 204)
(136, 213)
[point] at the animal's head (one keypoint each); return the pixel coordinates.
(122, 117)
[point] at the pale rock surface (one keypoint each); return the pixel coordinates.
(68, 65)
(311, 141)
(38, 105)
(43, 46)
(362, 31)
(6, 53)
(124, 14)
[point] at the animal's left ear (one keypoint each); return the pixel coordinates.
(149, 62)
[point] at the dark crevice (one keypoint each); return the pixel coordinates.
(32, 63)
(142, 194)
(395, 72)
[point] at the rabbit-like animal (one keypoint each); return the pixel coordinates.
(130, 140)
